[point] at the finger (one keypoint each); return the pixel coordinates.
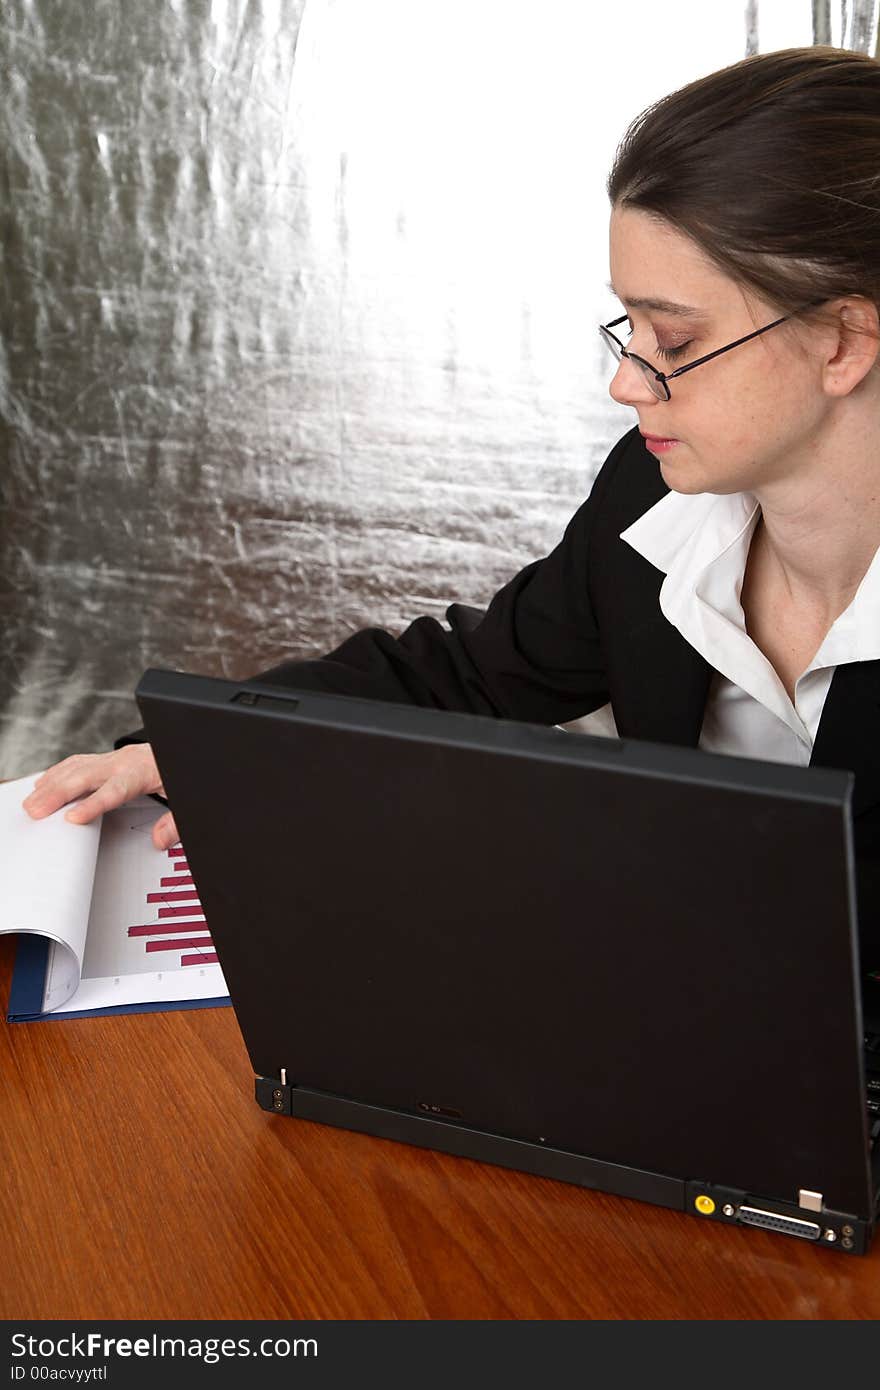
(165, 832)
(83, 773)
(64, 782)
(113, 792)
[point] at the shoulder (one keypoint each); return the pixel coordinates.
(627, 485)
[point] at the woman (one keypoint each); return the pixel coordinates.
(720, 585)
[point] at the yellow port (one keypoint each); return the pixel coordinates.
(705, 1205)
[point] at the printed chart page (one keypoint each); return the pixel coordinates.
(48, 872)
(147, 940)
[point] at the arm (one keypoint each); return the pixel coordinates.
(535, 655)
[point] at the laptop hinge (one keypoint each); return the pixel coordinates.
(273, 1093)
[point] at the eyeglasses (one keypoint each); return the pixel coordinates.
(657, 381)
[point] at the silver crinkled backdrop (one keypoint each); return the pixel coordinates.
(298, 324)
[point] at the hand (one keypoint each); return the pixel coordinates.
(105, 780)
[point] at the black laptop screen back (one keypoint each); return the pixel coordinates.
(636, 953)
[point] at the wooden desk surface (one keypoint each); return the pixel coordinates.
(141, 1180)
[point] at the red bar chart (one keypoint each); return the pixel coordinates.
(181, 932)
(147, 941)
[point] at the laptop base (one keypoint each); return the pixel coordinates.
(835, 1230)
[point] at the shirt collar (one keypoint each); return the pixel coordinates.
(687, 532)
(701, 542)
(684, 535)
(855, 635)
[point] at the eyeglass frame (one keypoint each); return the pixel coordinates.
(664, 377)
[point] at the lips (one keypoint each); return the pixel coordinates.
(658, 444)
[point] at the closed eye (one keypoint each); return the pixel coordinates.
(670, 354)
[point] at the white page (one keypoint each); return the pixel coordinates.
(87, 889)
(130, 954)
(48, 869)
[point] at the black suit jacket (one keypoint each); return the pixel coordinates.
(583, 626)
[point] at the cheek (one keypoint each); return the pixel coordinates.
(718, 418)
(740, 409)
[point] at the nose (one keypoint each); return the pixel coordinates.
(628, 385)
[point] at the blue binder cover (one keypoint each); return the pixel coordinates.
(29, 979)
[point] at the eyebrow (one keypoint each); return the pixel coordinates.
(660, 306)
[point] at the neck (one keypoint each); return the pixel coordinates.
(821, 520)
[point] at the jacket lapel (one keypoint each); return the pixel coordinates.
(849, 730)
(668, 706)
(662, 696)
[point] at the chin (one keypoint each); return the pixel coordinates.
(679, 480)
(692, 481)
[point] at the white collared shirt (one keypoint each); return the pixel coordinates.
(701, 544)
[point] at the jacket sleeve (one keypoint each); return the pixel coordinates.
(534, 655)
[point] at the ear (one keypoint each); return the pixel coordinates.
(853, 344)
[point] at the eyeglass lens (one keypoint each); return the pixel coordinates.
(646, 370)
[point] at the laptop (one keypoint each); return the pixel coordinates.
(624, 965)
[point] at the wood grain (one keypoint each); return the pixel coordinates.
(141, 1180)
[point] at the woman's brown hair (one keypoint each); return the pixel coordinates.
(772, 166)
